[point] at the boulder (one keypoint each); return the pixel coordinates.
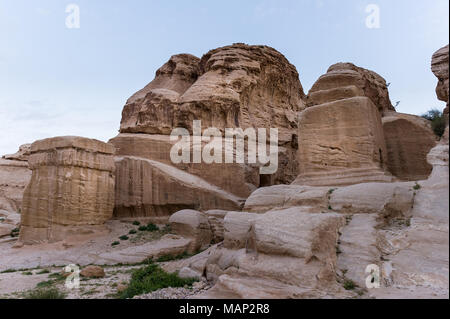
(280, 254)
(409, 139)
(71, 188)
(92, 272)
(192, 224)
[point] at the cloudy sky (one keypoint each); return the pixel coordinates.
(56, 80)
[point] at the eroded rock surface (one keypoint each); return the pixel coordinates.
(238, 86)
(439, 66)
(14, 177)
(409, 139)
(71, 189)
(341, 143)
(346, 80)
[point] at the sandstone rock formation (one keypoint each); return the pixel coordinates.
(279, 254)
(439, 66)
(14, 177)
(92, 272)
(346, 80)
(237, 86)
(192, 224)
(409, 139)
(71, 191)
(341, 143)
(146, 188)
(21, 155)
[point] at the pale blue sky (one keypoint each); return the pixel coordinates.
(58, 81)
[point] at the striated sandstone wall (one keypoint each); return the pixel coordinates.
(340, 143)
(71, 189)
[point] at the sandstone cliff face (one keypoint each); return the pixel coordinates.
(439, 66)
(14, 177)
(71, 188)
(237, 86)
(341, 142)
(146, 188)
(346, 80)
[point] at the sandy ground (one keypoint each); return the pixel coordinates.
(22, 269)
(93, 250)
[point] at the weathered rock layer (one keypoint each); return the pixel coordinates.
(71, 188)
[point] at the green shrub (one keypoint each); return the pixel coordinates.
(417, 187)
(51, 293)
(133, 231)
(174, 257)
(124, 237)
(136, 223)
(437, 120)
(27, 273)
(152, 227)
(142, 228)
(151, 278)
(44, 284)
(8, 271)
(43, 271)
(349, 285)
(115, 243)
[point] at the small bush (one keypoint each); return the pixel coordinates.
(124, 237)
(152, 227)
(349, 285)
(15, 232)
(151, 278)
(8, 271)
(27, 273)
(115, 243)
(44, 284)
(51, 293)
(132, 232)
(417, 187)
(142, 228)
(173, 257)
(437, 120)
(136, 223)
(43, 271)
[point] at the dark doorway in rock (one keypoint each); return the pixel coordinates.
(265, 180)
